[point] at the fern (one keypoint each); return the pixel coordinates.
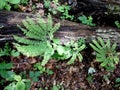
(70, 51)
(38, 39)
(105, 53)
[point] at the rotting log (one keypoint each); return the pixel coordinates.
(97, 5)
(68, 30)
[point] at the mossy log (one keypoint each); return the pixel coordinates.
(68, 30)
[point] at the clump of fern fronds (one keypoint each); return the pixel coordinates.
(70, 50)
(105, 53)
(38, 39)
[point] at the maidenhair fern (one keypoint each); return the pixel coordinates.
(38, 39)
(105, 53)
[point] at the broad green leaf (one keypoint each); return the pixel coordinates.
(7, 7)
(117, 80)
(15, 53)
(17, 78)
(14, 1)
(20, 85)
(55, 87)
(83, 18)
(60, 49)
(2, 4)
(11, 86)
(56, 41)
(4, 65)
(31, 74)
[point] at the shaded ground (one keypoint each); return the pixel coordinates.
(71, 77)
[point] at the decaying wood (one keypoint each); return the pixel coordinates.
(100, 5)
(68, 30)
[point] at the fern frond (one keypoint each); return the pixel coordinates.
(31, 50)
(49, 22)
(54, 29)
(94, 47)
(106, 53)
(37, 36)
(43, 25)
(114, 47)
(97, 44)
(108, 44)
(81, 47)
(33, 30)
(37, 41)
(72, 59)
(80, 57)
(27, 41)
(101, 41)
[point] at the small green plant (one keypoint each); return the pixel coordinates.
(7, 51)
(106, 77)
(39, 38)
(34, 75)
(117, 23)
(5, 69)
(42, 69)
(18, 84)
(58, 87)
(105, 53)
(64, 9)
(117, 80)
(40, 41)
(6, 4)
(86, 20)
(54, 7)
(89, 78)
(24, 2)
(51, 6)
(70, 51)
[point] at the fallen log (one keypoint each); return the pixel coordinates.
(97, 5)
(67, 32)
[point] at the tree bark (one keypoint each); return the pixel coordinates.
(67, 32)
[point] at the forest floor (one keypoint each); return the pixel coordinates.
(67, 77)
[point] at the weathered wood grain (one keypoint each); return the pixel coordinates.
(68, 30)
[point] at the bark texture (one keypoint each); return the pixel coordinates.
(68, 30)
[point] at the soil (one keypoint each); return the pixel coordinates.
(71, 77)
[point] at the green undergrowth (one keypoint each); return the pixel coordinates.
(39, 41)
